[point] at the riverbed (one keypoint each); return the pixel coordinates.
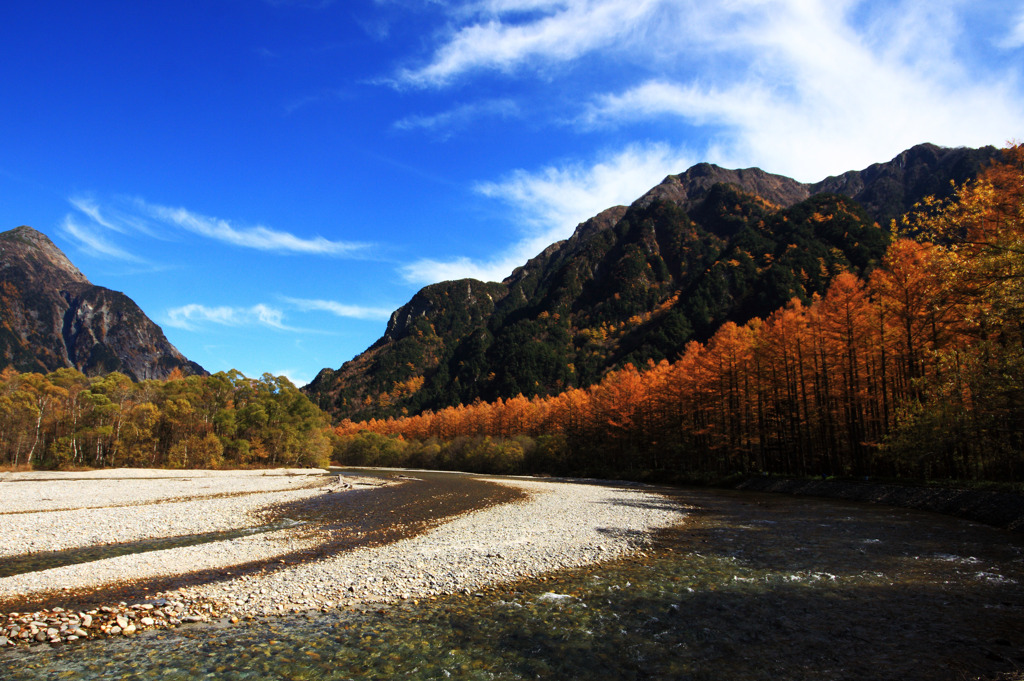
(747, 586)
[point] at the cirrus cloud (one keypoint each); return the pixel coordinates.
(94, 225)
(257, 237)
(339, 309)
(496, 38)
(194, 315)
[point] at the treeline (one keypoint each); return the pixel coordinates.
(478, 454)
(65, 419)
(916, 370)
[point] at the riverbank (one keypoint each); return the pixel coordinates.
(1004, 510)
(750, 587)
(545, 526)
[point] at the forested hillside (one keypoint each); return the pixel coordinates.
(636, 284)
(913, 368)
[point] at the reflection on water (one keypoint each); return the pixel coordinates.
(753, 587)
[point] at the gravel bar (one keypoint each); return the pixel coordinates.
(560, 525)
(55, 491)
(557, 525)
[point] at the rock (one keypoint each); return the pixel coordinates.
(86, 621)
(122, 621)
(4, 641)
(147, 621)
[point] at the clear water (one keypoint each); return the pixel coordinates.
(751, 587)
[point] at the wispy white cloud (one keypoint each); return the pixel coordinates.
(93, 225)
(325, 95)
(553, 200)
(339, 309)
(93, 241)
(802, 87)
(558, 32)
(193, 315)
(823, 97)
(655, 98)
(458, 116)
(833, 114)
(297, 377)
(429, 271)
(96, 228)
(92, 210)
(114, 217)
(257, 237)
(1015, 36)
(548, 204)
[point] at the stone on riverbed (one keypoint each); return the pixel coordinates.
(556, 525)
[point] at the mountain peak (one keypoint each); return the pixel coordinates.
(636, 284)
(53, 317)
(694, 184)
(38, 252)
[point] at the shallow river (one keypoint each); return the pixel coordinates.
(751, 587)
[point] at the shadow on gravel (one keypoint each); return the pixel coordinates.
(340, 521)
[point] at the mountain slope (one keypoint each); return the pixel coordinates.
(637, 283)
(51, 317)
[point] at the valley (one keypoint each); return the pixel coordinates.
(512, 339)
(727, 325)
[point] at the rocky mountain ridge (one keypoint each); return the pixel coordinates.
(52, 317)
(636, 283)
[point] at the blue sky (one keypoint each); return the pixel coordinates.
(269, 179)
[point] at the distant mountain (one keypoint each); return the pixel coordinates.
(637, 283)
(52, 317)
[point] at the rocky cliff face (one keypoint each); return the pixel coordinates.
(888, 190)
(637, 283)
(51, 317)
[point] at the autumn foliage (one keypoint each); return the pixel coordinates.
(916, 370)
(67, 420)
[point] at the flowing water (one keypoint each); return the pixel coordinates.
(751, 587)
